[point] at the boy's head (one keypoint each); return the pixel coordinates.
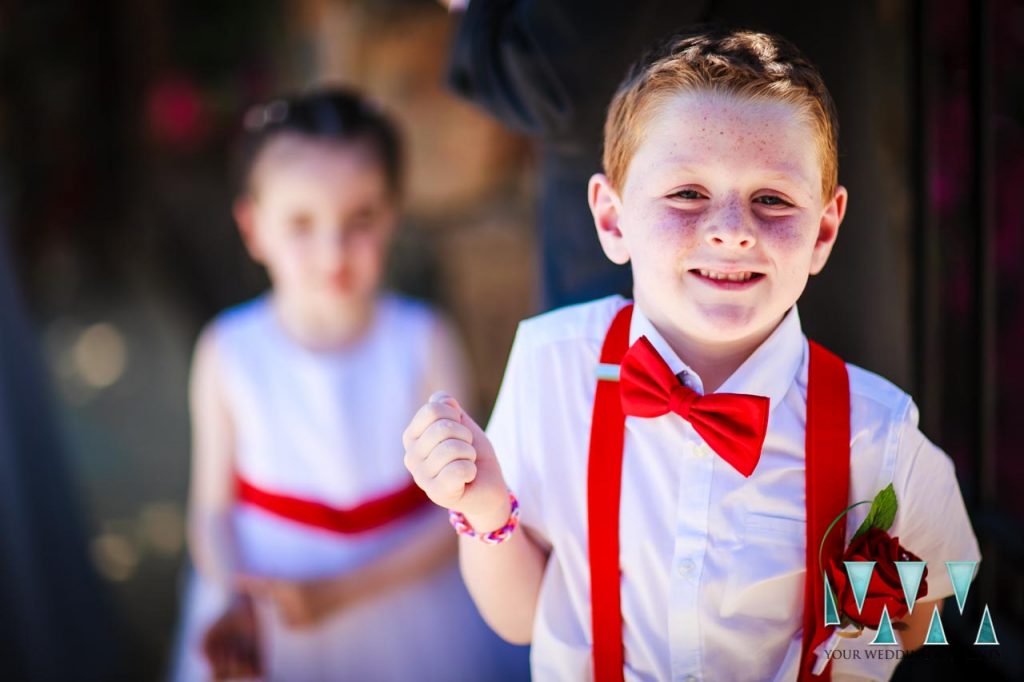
(720, 162)
(319, 184)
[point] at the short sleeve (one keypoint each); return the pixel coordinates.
(931, 519)
(505, 431)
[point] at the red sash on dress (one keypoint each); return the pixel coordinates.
(366, 516)
(827, 483)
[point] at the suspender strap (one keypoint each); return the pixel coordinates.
(604, 488)
(828, 485)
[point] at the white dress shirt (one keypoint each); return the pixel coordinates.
(712, 562)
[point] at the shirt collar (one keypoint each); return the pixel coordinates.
(769, 371)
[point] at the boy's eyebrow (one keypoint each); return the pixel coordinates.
(784, 172)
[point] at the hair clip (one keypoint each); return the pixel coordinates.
(275, 112)
(262, 115)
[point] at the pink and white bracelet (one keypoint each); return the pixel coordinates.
(495, 537)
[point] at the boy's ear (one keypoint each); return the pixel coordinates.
(243, 211)
(828, 229)
(606, 209)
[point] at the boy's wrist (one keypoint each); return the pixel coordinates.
(486, 505)
(493, 520)
(497, 518)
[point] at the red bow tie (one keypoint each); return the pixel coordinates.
(732, 424)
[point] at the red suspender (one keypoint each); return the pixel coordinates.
(827, 446)
(828, 474)
(604, 488)
(364, 517)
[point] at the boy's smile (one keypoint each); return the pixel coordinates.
(721, 215)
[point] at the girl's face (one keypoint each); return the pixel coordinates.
(320, 217)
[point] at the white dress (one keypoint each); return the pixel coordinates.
(326, 427)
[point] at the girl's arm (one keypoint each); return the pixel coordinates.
(231, 643)
(211, 493)
(306, 603)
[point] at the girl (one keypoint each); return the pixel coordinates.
(316, 556)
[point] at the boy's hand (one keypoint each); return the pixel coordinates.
(231, 645)
(451, 459)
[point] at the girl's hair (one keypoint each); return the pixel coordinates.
(333, 114)
(720, 60)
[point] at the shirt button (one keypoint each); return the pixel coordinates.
(685, 567)
(702, 451)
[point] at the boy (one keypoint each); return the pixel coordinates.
(658, 545)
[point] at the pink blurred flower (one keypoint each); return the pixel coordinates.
(175, 113)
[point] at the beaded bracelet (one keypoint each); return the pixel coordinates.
(495, 537)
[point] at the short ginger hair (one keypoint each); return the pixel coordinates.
(720, 60)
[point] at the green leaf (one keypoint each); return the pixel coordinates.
(882, 512)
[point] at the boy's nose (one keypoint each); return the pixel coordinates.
(731, 238)
(731, 229)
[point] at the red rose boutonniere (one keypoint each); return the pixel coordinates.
(870, 543)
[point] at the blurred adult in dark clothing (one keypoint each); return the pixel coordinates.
(548, 68)
(54, 621)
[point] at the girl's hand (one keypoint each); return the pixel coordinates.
(231, 645)
(451, 459)
(299, 603)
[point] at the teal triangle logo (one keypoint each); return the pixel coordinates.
(936, 633)
(885, 635)
(987, 632)
(910, 578)
(831, 612)
(960, 574)
(860, 576)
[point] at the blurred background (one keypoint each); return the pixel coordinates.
(117, 121)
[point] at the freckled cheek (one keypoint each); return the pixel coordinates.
(786, 237)
(790, 245)
(660, 248)
(669, 230)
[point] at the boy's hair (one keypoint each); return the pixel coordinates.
(715, 59)
(333, 114)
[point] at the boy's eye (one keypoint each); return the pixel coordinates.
(688, 194)
(771, 200)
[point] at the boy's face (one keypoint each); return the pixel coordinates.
(721, 214)
(320, 219)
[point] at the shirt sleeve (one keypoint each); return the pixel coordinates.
(931, 519)
(505, 431)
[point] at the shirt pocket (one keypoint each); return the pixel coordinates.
(766, 573)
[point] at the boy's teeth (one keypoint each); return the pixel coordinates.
(732, 276)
